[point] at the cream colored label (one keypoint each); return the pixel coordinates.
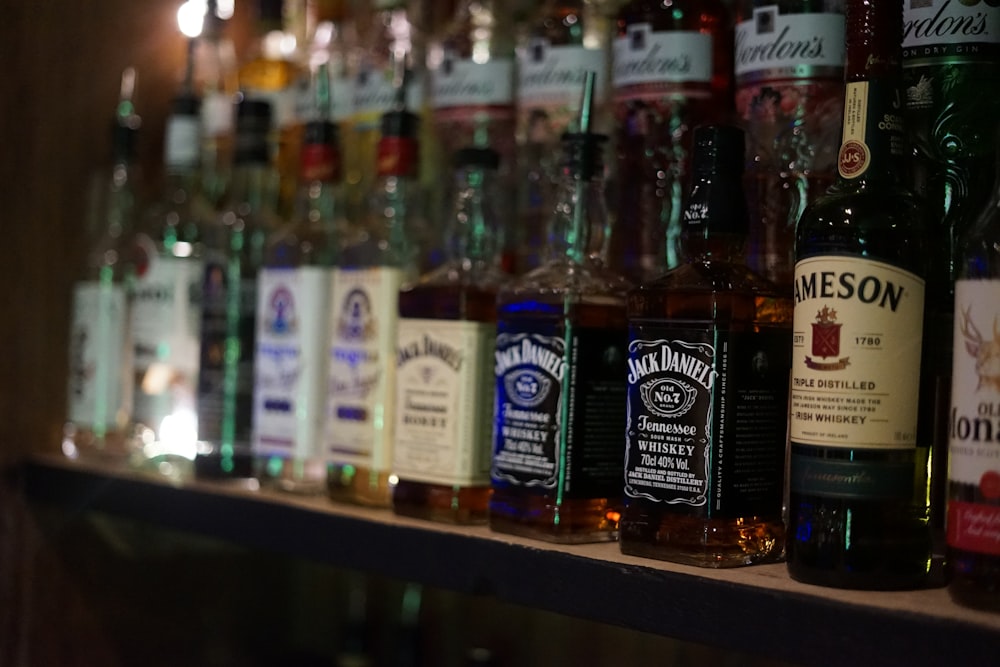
(856, 353)
(444, 401)
(854, 152)
(98, 365)
(974, 425)
(361, 387)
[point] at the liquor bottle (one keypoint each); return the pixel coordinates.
(672, 71)
(560, 372)
(166, 301)
(293, 291)
(99, 396)
(974, 448)
(789, 97)
(332, 45)
(565, 39)
(857, 514)
(951, 54)
(447, 332)
(471, 71)
(234, 248)
(708, 361)
(364, 310)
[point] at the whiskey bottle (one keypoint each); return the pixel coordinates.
(974, 419)
(166, 301)
(293, 293)
(99, 396)
(789, 66)
(447, 333)
(857, 514)
(672, 65)
(364, 310)
(560, 372)
(951, 53)
(234, 250)
(708, 360)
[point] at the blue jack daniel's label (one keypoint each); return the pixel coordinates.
(706, 415)
(557, 424)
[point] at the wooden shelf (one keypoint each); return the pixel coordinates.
(755, 610)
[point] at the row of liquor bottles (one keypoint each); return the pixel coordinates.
(342, 396)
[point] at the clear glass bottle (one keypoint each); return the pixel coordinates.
(672, 71)
(560, 372)
(166, 302)
(709, 358)
(857, 515)
(99, 393)
(364, 311)
(447, 332)
(789, 97)
(973, 481)
(234, 250)
(293, 293)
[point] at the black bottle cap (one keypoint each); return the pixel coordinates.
(320, 132)
(487, 158)
(253, 123)
(185, 104)
(718, 149)
(270, 10)
(400, 124)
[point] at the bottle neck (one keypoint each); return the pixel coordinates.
(473, 232)
(715, 222)
(254, 186)
(579, 209)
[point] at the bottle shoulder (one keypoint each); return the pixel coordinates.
(560, 278)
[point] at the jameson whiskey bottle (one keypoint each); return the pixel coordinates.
(672, 71)
(166, 301)
(447, 332)
(293, 294)
(951, 55)
(789, 96)
(974, 420)
(99, 396)
(560, 372)
(708, 360)
(857, 514)
(364, 310)
(564, 40)
(233, 254)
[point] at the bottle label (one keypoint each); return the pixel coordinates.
(856, 354)
(374, 94)
(444, 401)
(559, 424)
(873, 125)
(217, 114)
(96, 368)
(974, 426)
(950, 30)
(458, 84)
(319, 162)
(341, 98)
(774, 46)
(182, 141)
(361, 383)
(290, 369)
(706, 419)
(648, 64)
(225, 375)
(165, 320)
(551, 77)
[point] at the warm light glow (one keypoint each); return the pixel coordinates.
(191, 17)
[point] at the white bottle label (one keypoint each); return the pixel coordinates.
(374, 94)
(97, 341)
(855, 353)
(361, 388)
(444, 401)
(464, 83)
(948, 25)
(217, 114)
(341, 99)
(553, 76)
(772, 45)
(290, 362)
(182, 141)
(645, 61)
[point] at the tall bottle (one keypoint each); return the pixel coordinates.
(951, 54)
(564, 40)
(672, 71)
(364, 311)
(974, 446)
(166, 302)
(857, 514)
(234, 249)
(447, 333)
(99, 396)
(560, 372)
(708, 385)
(293, 293)
(789, 97)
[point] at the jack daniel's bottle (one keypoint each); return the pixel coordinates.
(858, 509)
